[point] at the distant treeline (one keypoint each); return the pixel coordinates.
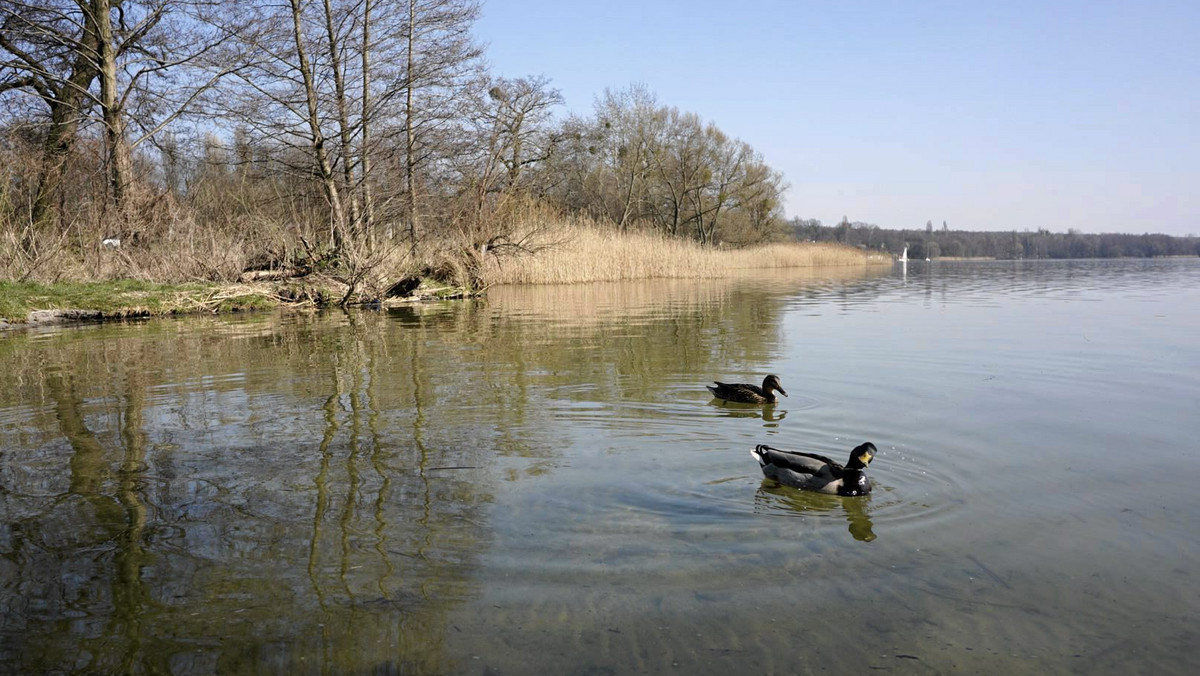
(944, 242)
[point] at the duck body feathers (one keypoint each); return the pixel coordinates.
(812, 472)
(746, 393)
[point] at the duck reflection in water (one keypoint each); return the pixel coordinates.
(774, 497)
(768, 412)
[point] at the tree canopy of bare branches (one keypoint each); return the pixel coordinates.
(634, 160)
(344, 132)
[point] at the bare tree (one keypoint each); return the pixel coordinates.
(311, 99)
(522, 108)
(728, 160)
(365, 57)
(743, 197)
(137, 52)
(509, 133)
(441, 61)
(350, 76)
(50, 49)
(280, 95)
(633, 125)
(336, 43)
(119, 159)
(636, 160)
(579, 177)
(758, 200)
(681, 169)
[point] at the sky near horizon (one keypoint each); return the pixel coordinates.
(988, 115)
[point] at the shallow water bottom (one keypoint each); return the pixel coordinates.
(820, 607)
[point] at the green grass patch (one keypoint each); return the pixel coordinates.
(124, 298)
(246, 303)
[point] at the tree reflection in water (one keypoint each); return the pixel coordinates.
(284, 515)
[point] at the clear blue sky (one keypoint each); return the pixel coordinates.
(989, 114)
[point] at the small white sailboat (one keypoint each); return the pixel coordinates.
(904, 255)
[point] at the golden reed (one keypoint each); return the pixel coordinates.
(585, 253)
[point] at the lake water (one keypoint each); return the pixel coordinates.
(538, 482)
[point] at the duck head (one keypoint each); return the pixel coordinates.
(771, 382)
(861, 456)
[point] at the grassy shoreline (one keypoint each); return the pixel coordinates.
(35, 303)
(577, 255)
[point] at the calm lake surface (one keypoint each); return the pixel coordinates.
(538, 482)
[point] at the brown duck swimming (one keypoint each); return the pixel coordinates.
(812, 472)
(748, 394)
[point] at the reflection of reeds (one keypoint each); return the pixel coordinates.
(585, 253)
(602, 302)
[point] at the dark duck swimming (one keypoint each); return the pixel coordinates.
(748, 394)
(812, 472)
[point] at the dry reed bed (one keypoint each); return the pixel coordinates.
(589, 254)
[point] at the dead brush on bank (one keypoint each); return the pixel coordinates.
(162, 243)
(494, 234)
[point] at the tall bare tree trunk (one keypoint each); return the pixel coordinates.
(627, 201)
(118, 157)
(320, 152)
(339, 86)
(365, 149)
(65, 100)
(410, 159)
(60, 136)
